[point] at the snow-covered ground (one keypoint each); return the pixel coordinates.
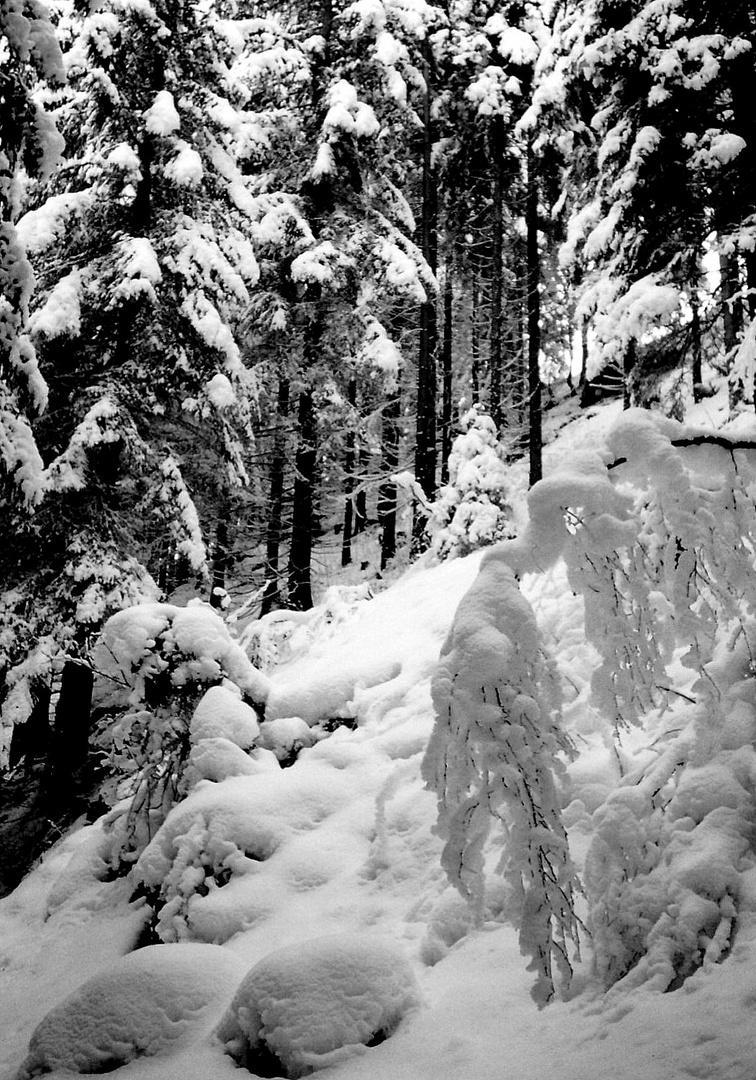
(340, 847)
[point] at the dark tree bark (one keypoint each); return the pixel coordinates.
(69, 747)
(387, 490)
(732, 312)
(475, 338)
(302, 511)
(350, 464)
(497, 271)
(696, 353)
(274, 535)
(360, 498)
(628, 368)
(583, 378)
(221, 555)
(31, 739)
(447, 385)
(535, 439)
(425, 448)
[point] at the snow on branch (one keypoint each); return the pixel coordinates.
(658, 533)
(494, 756)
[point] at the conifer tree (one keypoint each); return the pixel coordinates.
(134, 329)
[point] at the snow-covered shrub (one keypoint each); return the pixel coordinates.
(200, 871)
(283, 635)
(313, 1004)
(665, 872)
(144, 1005)
(658, 533)
(162, 659)
(473, 509)
(223, 731)
(493, 756)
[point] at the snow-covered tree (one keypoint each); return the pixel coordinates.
(656, 151)
(135, 328)
(657, 533)
(474, 508)
(29, 143)
(160, 730)
(333, 236)
(494, 758)
(28, 140)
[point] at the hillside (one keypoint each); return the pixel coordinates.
(341, 845)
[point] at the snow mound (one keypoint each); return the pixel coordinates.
(221, 714)
(392, 639)
(141, 1007)
(311, 1005)
(286, 736)
(220, 835)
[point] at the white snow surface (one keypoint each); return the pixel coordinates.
(315, 1004)
(342, 843)
(140, 1006)
(221, 714)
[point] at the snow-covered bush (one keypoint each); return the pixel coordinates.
(667, 872)
(283, 635)
(493, 756)
(162, 659)
(313, 1004)
(658, 533)
(144, 1005)
(473, 509)
(200, 871)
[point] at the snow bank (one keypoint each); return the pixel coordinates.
(312, 1005)
(394, 639)
(198, 864)
(143, 1006)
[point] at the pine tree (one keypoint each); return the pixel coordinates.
(134, 329)
(652, 90)
(28, 141)
(338, 266)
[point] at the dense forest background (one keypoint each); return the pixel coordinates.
(261, 263)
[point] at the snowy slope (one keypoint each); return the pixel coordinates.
(342, 843)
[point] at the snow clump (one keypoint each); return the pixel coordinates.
(148, 1001)
(311, 1005)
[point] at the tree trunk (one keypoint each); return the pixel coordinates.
(274, 534)
(387, 490)
(69, 749)
(628, 368)
(221, 557)
(583, 379)
(350, 464)
(732, 312)
(696, 353)
(425, 449)
(31, 739)
(302, 511)
(475, 339)
(535, 438)
(497, 271)
(447, 353)
(360, 499)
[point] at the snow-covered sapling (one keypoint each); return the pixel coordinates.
(494, 756)
(163, 659)
(474, 509)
